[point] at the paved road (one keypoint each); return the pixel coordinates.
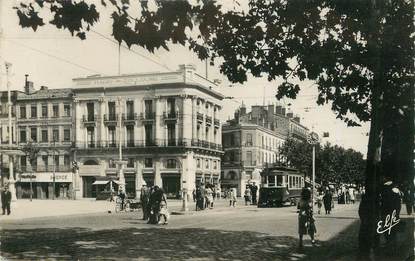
(241, 233)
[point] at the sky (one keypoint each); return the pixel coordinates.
(53, 58)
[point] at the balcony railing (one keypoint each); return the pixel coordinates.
(209, 120)
(217, 123)
(163, 143)
(110, 118)
(170, 115)
(89, 119)
(199, 117)
(148, 116)
(51, 168)
(129, 117)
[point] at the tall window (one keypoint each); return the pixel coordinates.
(33, 134)
(67, 110)
(23, 162)
(55, 110)
(171, 163)
(171, 106)
(33, 111)
(66, 135)
(66, 160)
(90, 111)
(130, 136)
(249, 139)
(33, 163)
(45, 135)
(130, 163)
(171, 134)
(111, 111)
(198, 163)
(130, 109)
(45, 159)
(149, 134)
(90, 137)
(56, 160)
(112, 136)
(207, 134)
(23, 112)
(148, 162)
(249, 158)
(55, 135)
(23, 137)
(44, 111)
(111, 163)
(148, 106)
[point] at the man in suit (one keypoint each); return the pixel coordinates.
(254, 190)
(6, 198)
(145, 198)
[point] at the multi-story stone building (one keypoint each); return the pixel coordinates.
(5, 133)
(252, 140)
(165, 126)
(44, 118)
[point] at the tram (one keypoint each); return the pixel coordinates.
(280, 185)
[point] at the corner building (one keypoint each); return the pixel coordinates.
(165, 126)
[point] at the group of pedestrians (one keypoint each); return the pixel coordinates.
(204, 196)
(250, 194)
(154, 205)
(324, 198)
(346, 195)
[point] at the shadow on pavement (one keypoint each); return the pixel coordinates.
(154, 244)
(162, 242)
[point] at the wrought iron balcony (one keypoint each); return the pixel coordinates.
(110, 118)
(199, 117)
(89, 119)
(129, 118)
(208, 120)
(170, 116)
(148, 116)
(217, 123)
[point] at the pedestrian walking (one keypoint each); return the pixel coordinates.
(164, 211)
(247, 195)
(352, 195)
(254, 190)
(319, 202)
(209, 197)
(306, 222)
(6, 198)
(144, 199)
(327, 199)
(122, 197)
(218, 191)
(155, 200)
(199, 198)
(408, 200)
(232, 197)
(194, 195)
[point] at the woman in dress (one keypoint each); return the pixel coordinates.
(164, 211)
(247, 195)
(306, 224)
(209, 197)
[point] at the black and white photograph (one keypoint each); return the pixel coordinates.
(207, 130)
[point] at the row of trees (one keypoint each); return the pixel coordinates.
(334, 164)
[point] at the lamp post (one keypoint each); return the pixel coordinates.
(313, 140)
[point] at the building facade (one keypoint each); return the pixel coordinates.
(252, 140)
(44, 119)
(164, 127)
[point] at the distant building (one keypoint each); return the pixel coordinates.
(252, 140)
(44, 118)
(5, 133)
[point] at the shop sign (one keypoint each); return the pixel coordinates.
(46, 177)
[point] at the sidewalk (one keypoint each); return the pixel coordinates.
(25, 209)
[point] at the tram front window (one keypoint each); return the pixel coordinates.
(271, 181)
(279, 181)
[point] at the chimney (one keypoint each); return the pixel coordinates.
(28, 88)
(290, 115)
(188, 70)
(297, 119)
(243, 110)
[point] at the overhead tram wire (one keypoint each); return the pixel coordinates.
(54, 56)
(131, 50)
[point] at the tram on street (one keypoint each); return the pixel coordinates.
(279, 186)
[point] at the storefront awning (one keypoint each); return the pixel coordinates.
(101, 182)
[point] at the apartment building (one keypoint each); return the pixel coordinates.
(164, 127)
(252, 140)
(44, 118)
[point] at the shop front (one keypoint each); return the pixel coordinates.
(171, 184)
(43, 185)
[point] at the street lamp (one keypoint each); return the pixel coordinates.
(313, 140)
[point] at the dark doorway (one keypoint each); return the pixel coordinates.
(171, 186)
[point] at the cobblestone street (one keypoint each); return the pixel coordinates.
(241, 233)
